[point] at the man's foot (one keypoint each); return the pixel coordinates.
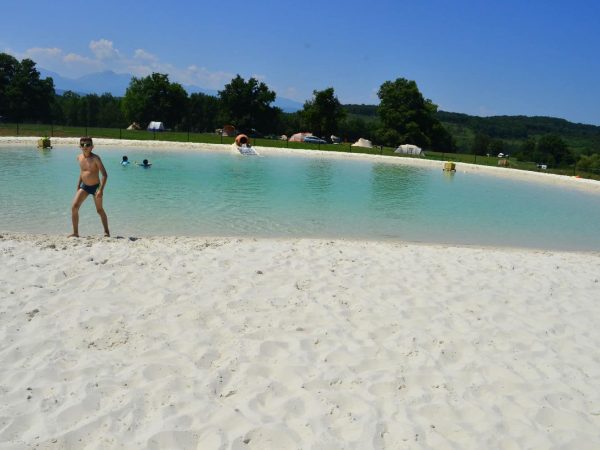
(73, 235)
(106, 234)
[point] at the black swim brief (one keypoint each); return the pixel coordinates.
(89, 189)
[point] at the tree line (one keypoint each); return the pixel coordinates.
(402, 116)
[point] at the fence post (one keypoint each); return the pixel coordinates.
(17, 128)
(475, 162)
(86, 131)
(154, 134)
(119, 132)
(51, 130)
(221, 137)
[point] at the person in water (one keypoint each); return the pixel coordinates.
(89, 183)
(125, 161)
(145, 164)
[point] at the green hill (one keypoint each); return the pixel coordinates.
(513, 130)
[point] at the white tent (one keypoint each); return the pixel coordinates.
(134, 126)
(409, 149)
(156, 126)
(363, 143)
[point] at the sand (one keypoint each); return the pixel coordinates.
(225, 343)
(285, 344)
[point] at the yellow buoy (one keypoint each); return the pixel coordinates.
(449, 167)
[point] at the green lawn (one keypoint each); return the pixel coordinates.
(211, 138)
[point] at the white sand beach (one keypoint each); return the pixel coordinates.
(294, 344)
(227, 343)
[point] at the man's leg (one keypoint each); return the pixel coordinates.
(102, 213)
(80, 196)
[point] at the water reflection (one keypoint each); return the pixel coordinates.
(396, 191)
(448, 176)
(319, 177)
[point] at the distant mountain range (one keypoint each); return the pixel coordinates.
(117, 83)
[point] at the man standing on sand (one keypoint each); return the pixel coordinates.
(89, 183)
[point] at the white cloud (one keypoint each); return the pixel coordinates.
(38, 52)
(201, 76)
(104, 56)
(144, 55)
(103, 49)
(75, 58)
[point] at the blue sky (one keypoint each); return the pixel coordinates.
(508, 57)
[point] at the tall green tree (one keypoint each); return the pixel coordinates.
(352, 128)
(23, 94)
(109, 112)
(481, 144)
(527, 149)
(589, 163)
(290, 123)
(70, 109)
(247, 105)
(155, 98)
(323, 113)
(551, 149)
(497, 146)
(408, 118)
(203, 112)
(8, 67)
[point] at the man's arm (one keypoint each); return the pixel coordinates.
(79, 180)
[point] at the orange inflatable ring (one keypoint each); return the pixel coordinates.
(239, 138)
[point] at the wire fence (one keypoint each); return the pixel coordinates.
(57, 130)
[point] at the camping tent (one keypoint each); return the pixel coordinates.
(363, 143)
(156, 126)
(409, 149)
(229, 130)
(299, 137)
(134, 126)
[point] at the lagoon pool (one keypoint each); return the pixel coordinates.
(214, 193)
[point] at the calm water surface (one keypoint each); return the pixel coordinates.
(213, 193)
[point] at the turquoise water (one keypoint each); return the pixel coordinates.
(190, 192)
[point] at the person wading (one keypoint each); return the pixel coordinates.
(89, 183)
